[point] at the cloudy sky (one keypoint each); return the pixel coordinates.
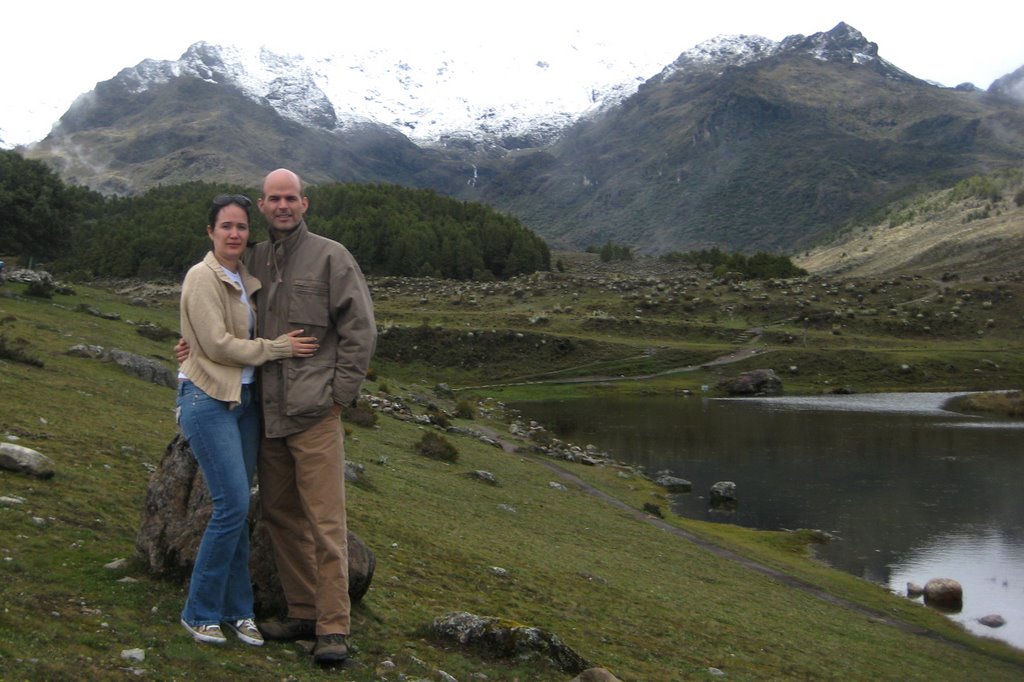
(53, 51)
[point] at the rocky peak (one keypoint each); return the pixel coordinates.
(843, 44)
(1011, 85)
(716, 54)
(269, 79)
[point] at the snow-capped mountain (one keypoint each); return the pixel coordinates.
(509, 100)
(429, 99)
(843, 44)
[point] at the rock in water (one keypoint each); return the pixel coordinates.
(944, 593)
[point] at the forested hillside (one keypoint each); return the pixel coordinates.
(390, 229)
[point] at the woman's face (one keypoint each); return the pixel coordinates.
(229, 235)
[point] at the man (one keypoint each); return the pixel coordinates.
(313, 283)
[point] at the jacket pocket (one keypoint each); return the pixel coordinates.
(308, 305)
(308, 389)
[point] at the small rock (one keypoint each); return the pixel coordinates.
(723, 492)
(914, 590)
(116, 564)
(653, 509)
(137, 655)
(595, 675)
(674, 484)
(992, 620)
(484, 476)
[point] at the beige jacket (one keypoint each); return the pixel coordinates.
(215, 323)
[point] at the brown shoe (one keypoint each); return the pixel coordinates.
(330, 649)
(288, 629)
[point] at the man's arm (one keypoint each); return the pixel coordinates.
(356, 328)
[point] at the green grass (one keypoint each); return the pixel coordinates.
(619, 590)
(1006, 404)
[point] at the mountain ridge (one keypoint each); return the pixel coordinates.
(741, 142)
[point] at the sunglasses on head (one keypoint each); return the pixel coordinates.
(222, 200)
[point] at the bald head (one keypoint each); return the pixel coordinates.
(282, 176)
(283, 203)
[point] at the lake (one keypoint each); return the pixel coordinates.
(912, 491)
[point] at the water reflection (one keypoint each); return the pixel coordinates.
(993, 573)
(908, 487)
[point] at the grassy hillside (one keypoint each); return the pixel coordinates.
(971, 230)
(620, 590)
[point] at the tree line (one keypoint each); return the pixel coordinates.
(758, 266)
(391, 230)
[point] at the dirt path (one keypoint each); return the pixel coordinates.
(734, 356)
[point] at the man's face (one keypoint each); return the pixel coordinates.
(282, 202)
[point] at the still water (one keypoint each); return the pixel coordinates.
(912, 491)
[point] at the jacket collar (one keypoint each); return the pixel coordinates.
(282, 247)
(251, 283)
(289, 243)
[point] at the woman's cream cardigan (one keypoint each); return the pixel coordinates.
(215, 323)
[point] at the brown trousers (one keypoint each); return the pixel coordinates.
(302, 495)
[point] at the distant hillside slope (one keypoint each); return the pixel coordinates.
(971, 231)
(769, 156)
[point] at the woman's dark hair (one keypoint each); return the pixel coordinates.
(222, 200)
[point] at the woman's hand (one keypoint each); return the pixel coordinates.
(181, 350)
(302, 346)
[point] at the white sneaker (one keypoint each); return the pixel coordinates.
(247, 631)
(210, 634)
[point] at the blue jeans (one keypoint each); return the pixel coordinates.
(225, 443)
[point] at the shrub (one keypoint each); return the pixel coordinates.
(10, 352)
(360, 414)
(464, 410)
(438, 417)
(436, 446)
(40, 288)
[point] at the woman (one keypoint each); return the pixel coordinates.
(219, 414)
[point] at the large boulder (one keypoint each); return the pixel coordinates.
(175, 514)
(25, 460)
(944, 593)
(754, 382)
(137, 366)
(505, 639)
